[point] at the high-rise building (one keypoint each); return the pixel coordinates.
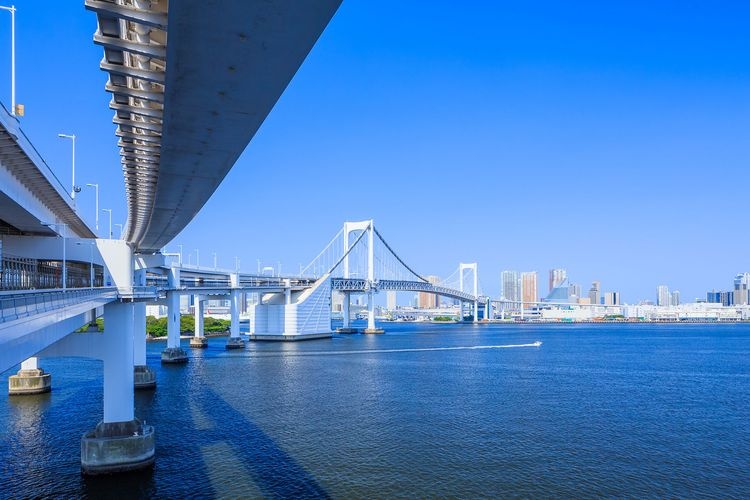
(556, 278)
(428, 300)
(390, 300)
(662, 295)
(674, 299)
(741, 286)
(528, 288)
(595, 292)
(574, 290)
(612, 299)
(510, 286)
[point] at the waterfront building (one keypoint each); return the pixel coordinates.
(556, 278)
(574, 290)
(662, 295)
(595, 293)
(529, 288)
(426, 300)
(612, 299)
(741, 286)
(675, 298)
(390, 299)
(511, 286)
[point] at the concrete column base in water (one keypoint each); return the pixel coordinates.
(235, 343)
(347, 330)
(174, 355)
(373, 331)
(144, 377)
(117, 447)
(199, 342)
(34, 381)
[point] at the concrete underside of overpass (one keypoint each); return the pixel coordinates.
(227, 65)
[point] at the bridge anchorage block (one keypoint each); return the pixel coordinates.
(235, 343)
(34, 381)
(174, 355)
(117, 447)
(199, 342)
(371, 331)
(144, 377)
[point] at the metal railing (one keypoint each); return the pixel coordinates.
(16, 305)
(22, 273)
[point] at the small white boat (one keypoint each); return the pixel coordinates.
(537, 343)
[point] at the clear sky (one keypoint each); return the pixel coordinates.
(608, 138)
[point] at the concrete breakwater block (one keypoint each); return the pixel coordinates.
(199, 342)
(235, 343)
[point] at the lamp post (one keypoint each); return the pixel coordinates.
(63, 227)
(197, 258)
(12, 10)
(109, 210)
(180, 246)
(96, 187)
(74, 189)
(121, 226)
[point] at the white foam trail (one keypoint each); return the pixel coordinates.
(385, 351)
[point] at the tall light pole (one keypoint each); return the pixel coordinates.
(109, 210)
(74, 189)
(197, 258)
(121, 229)
(96, 187)
(180, 246)
(12, 10)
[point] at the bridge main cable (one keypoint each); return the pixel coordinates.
(380, 236)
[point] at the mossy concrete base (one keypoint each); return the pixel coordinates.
(347, 330)
(174, 355)
(144, 377)
(371, 331)
(235, 343)
(117, 447)
(199, 342)
(34, 381)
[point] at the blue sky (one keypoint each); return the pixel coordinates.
(609, 138)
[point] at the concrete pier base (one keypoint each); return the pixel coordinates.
(174, 355)
(347, 330)
(235, 343)
(199, 342)
(34, 381)
(117, 447)
(370, 331)
(144, 377)
(271, 337)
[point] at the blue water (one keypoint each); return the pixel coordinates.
(597, 410)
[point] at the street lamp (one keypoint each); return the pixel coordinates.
(197, 258)
(96, 187)
(12, 10)
(63, 227)
(121, 229)
(75, 189)
(180, 246)
(109, 210)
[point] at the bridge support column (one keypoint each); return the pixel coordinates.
(120, 442)
(488, 310)
(476, 311)
(199, 340)
(30, 379)
(143, 376)
(173, 353)
(235, 341)
(346, 313)
(371, 314)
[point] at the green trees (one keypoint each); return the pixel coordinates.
(157, 327)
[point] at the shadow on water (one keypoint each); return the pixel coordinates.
(274, 471)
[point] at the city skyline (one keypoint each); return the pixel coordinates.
(620, 118)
